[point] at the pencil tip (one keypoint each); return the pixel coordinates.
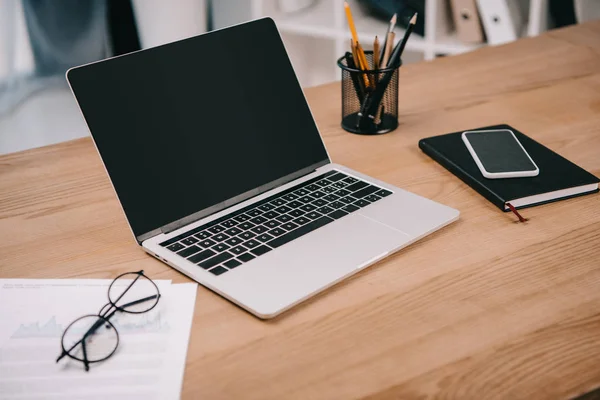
(393, 20)
(346, 4)
(413, 20)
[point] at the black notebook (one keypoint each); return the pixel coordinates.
(558, 178)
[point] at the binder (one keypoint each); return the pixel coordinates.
(466, 20)
(502, 20)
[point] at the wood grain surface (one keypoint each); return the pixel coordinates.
(484, 309)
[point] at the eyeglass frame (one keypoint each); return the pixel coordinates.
(104, 318)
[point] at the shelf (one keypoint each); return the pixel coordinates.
(452, 45)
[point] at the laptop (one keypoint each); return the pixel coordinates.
(222, 173)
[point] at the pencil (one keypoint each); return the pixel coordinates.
(361, 58)
(359, 62)
(387, 50)
(376, 53)
(351, 22)
(385, 38)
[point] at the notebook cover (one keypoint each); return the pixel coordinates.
(556, 172)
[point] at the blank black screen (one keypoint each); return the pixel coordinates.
(499, 151)
(185, 126)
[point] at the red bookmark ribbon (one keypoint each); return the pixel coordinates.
(514, 210)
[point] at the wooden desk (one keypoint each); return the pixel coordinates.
(484, 309)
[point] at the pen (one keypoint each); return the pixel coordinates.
(386, 38)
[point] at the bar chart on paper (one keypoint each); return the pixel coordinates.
(149, 361)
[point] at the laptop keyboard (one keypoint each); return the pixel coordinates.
(239, 237)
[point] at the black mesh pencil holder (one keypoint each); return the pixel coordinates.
(369, 98)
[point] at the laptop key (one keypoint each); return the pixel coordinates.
(350, 180)
(337, 177)
(329, 189)
(313, 215)
(348, 199)
(229, 223)
(233, 231)
(278, 202)
(231, 264)
(201, 256)
(325, 210)
(301, 192)
(237, 250)
(203, 235)
(301, 220)
(245, 225)
(207, 243)
(365, 191)
(218, 270)
(336, 204)
(356, 186)
(251, 244)
(319, 202)
(234, 241)
(303, 230)
(218, 259)
(289, 226)
(220, 237)
(372, 198)
(175, 247)
(331, 197)
(289, 197)
(270, 214)
(247, 235)
(318, 195)
(259, 251)
(284, 218)
(342, 192)
(276, 232)
(340, 185)
(306, 199)
(337, 214)
(383, 193)
(216, 229)
(241, 218)
(283, 209)
(350, 208)
(272, 223)
(323, 182)
(189, 251)
(312, 187)
(254, 212)
(188, 241)
(220, 247)
(296, 213)
(246, 257)
(294, 204)
(258, 220)
(266, 207)
(361, 203)
(308, 207)
(265, 237)
(259, 229)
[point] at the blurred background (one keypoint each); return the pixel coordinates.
(41, 39)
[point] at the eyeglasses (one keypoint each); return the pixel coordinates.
(93, 338)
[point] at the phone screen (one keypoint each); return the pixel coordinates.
(499, 151)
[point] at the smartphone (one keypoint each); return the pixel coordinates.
(499, 154)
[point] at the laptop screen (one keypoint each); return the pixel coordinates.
(185, 126)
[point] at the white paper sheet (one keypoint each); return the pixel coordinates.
(148, 364)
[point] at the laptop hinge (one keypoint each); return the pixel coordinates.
(190, 219)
